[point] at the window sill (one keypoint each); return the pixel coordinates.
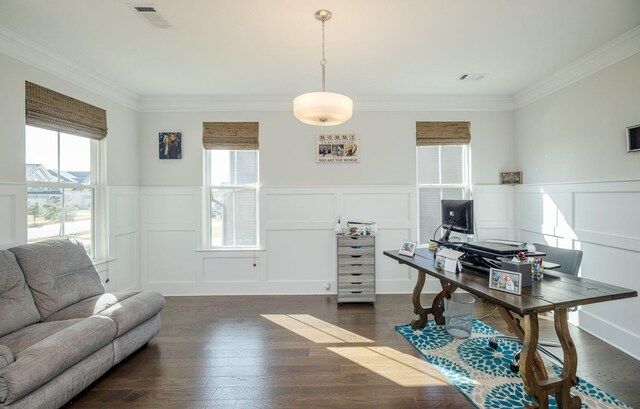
(102, 261)
(229, 249)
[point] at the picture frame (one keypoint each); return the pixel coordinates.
(408, 248)
(507, 281)
(510, 178)
(337, 148)
(170, 145)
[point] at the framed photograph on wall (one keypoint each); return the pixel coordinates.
(337, 148)
(408, 248)
(170, 145)
(507, 281)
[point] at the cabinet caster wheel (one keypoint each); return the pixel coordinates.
(493, 344)
(371, 303)
(339, 304)
(514, 368)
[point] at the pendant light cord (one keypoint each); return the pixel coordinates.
(323, 62)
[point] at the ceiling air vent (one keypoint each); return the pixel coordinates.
(472, 77)
(145, 9)
(150, 14)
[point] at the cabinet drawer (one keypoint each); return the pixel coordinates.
(355, 279)
(355, 288)
(355, 269)
(346, 241)
(356, 260)
(355, 251)
(356, 297)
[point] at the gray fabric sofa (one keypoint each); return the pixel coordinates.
(59, 330)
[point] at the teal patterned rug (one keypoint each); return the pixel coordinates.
(482, 374)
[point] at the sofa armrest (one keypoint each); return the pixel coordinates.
(135, 310)
(6, 357)
(48, 358)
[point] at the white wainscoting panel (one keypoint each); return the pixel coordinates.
(124, 238)
(291, 209)
(493, 212)
(123, 269)
(385, 208)
(392, 277)
(298, 254)
(314, 210)
(172, 206)
(171, 257)
(171, 232)
(601, 219)
(301, 256)
(13, 215)
(232, 268)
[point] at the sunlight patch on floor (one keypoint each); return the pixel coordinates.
(340, 333)
(398, 367)
(315, 329)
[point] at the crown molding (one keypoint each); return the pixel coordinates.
(614, 51)
(29, 52)
(363, 104)
(22, 49)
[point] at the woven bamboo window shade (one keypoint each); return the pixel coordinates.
(442, 133)
(230, 135)
(51, 110)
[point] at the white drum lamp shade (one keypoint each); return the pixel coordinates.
(323, 108)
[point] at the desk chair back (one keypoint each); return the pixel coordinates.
(568, 259)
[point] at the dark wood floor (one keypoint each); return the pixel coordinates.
(220, 352)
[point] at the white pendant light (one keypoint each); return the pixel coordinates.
(323, 108)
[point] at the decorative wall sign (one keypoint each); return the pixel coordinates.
(337, 148)
(510, 178)
(170, 145)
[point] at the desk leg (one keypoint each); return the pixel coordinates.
(516, 328)
(420, 322)
(568, 377)
(436, 308)
(538, 386)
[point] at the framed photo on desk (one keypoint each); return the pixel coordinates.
(408, 248)
(507, 281)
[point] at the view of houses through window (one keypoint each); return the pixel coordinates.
(60, 186)
(233, 186)
(443, 173)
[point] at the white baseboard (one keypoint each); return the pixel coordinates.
(616, 336)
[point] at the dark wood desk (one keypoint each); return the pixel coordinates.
(556, 292)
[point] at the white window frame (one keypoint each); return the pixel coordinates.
(94, 186)
(207, 202)
(439, 187)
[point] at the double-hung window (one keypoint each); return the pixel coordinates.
(61, 186)
(62, 139)
(232, 183)
(442, 161)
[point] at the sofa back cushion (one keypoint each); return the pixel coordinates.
(59, 273)
(17, 309)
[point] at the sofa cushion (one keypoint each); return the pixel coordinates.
(90, 306)
(59, 273)
(134, 310)
(6, 356)
(41, 362)
(25, 337)
(16, 302)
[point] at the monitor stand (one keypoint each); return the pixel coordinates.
(447, 233)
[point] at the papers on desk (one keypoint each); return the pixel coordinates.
(448, 260)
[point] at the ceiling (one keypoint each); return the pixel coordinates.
(374, 47)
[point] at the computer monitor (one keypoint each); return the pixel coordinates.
(457, 215)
